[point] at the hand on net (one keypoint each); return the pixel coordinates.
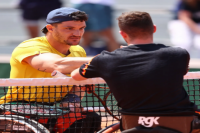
(74, 107)
(57, 74)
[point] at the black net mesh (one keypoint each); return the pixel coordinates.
(52, 105)
(56, 108)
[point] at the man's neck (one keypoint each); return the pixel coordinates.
(140, 41)
(62, 48)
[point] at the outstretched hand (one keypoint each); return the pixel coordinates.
(57, 74)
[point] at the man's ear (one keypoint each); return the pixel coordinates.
(123, 34)
(49, 27)
(154, 28)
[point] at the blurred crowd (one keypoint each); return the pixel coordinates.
(98, 34)
(184, 28)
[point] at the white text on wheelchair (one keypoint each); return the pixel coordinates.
(148, 121)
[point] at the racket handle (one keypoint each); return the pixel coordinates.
(96, 109)
(57, 74)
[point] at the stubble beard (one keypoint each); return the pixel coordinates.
(66, 42)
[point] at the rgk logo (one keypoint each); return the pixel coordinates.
(148, 121)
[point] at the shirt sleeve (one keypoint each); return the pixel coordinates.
(29, 49)
(188, 61)
(90, 69)
(185, 58)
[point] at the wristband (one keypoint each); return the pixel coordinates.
(72, 98)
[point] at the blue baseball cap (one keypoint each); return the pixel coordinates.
(60, 15)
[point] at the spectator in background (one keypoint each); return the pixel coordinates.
(99, 24)
(185, 29)
(34, 10)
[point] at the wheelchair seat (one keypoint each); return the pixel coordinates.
(180, 122)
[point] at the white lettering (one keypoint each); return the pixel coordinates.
(148, 121)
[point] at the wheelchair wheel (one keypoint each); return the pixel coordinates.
(110, 129)
(19, 124)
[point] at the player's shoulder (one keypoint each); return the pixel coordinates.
(177, 49)
(38, 41)
(106, 55)
(173, 50)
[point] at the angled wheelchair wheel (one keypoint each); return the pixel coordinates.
(19, 124)
(110, 129)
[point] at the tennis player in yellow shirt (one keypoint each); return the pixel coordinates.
(39, 57)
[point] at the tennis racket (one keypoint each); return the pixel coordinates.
(108, 101)
(33, 109)
(19, 124)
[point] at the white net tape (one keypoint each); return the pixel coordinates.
(66, 81)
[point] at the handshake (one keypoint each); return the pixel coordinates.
(73, 98)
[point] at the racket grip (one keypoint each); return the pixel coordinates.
(57, 74)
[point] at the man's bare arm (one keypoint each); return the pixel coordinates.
(76, 75)
(185, 16)
(47, 62)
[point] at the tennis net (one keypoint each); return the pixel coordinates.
(45, 100)
(42, 104)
